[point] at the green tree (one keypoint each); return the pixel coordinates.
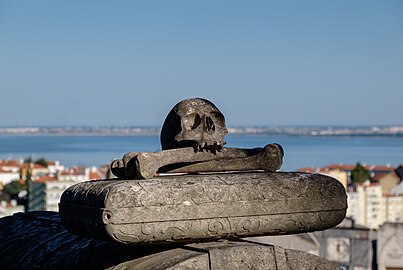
(13, 188)
(359, 174)
(42, 162)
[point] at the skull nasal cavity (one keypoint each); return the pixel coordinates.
(197, 121)
(209, 124)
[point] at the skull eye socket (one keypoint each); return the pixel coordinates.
(218, 119)
(209, 124)
(192, 121)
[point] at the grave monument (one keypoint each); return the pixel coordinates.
(188, 206)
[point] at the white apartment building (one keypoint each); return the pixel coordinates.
(370, 207)
(54, 167)
(54, 191)
(353, 210)
(7, 177)
(9, 171)
(394, 208)
(45, 193)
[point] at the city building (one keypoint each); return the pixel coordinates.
(393, 208)
(353, 202)
(45, 191)
(375, 201)
(341, 175)
(386, 180)
(33, 170)
(53, 192)
(7, 176)
(371, 205)
(54, 167)
(9, 171)
(10, 165)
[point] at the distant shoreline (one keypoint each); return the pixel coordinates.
(322, 131)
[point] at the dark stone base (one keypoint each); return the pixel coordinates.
(38, 240)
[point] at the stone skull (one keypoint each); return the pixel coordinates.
(196, 123)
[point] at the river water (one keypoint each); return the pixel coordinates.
(300, 151)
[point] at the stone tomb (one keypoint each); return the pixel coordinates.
(199, 201)
(38, 240)
(194, 208)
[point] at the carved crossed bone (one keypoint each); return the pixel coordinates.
(192, 140)
(269, 158)
(185, 160)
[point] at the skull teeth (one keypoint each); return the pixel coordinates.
(214, 146)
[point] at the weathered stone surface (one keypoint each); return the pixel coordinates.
(193, 208)
(268, 159)
(192, 140)
(194, 122)
(38, 241)
(145, 165)
(229, 255)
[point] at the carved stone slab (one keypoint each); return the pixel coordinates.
(203, 207)
(229, 255)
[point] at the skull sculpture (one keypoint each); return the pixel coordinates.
(196, 123)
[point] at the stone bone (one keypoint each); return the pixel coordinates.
(145, 165)
(118, 167)
(268, 159)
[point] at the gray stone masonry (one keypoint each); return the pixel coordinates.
(194, 208)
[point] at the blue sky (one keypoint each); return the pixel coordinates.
(127, 63)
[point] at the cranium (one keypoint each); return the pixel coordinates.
(196, 123)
